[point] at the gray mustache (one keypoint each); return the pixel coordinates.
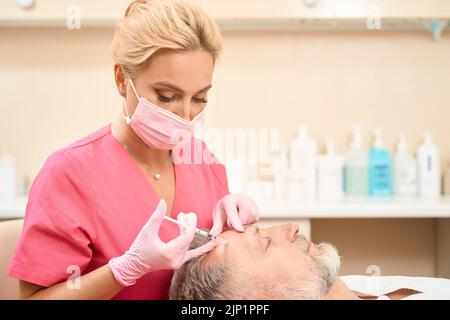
(302, 242)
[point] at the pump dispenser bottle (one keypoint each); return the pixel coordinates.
(429, 168)
(330, 173)
(380, 168)
(356, 181)
(405, 170)
(303, 164)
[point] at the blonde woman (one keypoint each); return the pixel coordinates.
(91, 228)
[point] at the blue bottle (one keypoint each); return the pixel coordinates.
(380, 169)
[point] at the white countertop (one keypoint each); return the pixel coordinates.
(314, 208)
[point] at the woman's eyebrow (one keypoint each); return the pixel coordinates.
(206, 88)
(169, 85)
(174, 87)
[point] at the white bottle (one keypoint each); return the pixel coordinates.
(7, 178)
(281, 167)
(238, 172)
(357, 167)
(405, 170)
(429, 168)
(330, 174)
(303, 164)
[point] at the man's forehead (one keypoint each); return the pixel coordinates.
(238, 243)
(231, 233)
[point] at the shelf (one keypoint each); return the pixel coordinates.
(313, 209)
(356, 208)
(243, 24)
(241, 15)
(388, 24)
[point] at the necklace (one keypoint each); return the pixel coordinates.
(155, 175)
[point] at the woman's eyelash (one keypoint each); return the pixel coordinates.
(164, 99)
(167, 99)
(200, 100)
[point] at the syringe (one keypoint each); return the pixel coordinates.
(203, 233)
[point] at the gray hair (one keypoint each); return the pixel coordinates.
(195, 280)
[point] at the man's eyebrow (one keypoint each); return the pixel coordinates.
(255, 234)
(255, 228)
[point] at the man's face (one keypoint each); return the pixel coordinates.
(276, 254)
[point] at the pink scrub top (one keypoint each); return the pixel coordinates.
(89, 202)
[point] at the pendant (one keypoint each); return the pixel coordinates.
(157, 176)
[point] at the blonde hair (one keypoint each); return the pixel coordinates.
(153, 25)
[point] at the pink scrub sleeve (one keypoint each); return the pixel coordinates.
(60, 227)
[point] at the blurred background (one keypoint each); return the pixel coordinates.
(325, 64)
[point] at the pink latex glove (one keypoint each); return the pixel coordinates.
(236, 210)
(149, 253)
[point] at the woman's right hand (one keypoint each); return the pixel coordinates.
(149, 253)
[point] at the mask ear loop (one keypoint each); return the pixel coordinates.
(134, 89)
(127, 117)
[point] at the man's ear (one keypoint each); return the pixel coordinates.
(119, 78)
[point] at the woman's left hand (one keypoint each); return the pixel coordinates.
(236, 211)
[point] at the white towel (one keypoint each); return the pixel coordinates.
(379, 286)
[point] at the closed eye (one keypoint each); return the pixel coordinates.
(199, 100)
(165, 99)
(258, 237)
(269, 241)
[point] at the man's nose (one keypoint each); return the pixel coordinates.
(291, 231)
(286, 232)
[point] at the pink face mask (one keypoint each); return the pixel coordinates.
(160, 128)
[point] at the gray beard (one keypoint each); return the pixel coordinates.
(322, 272)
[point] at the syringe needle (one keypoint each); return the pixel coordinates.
(197, 230)
(200, 231)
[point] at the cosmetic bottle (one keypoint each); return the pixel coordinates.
(380, 168)
(330, 174)
(303, 164)
(429, 168)
(356, 167)
(404, 170)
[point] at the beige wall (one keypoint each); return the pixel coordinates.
(442, 249)
(57, 85)
(332, 80)
(396, 246)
